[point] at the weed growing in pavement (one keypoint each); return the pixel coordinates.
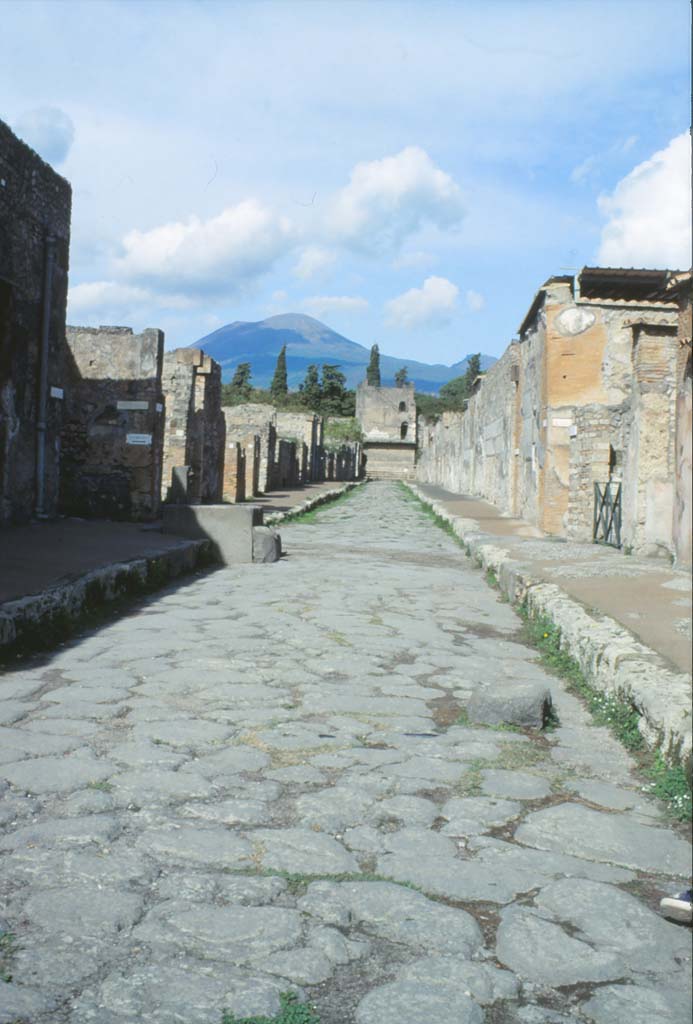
(671, 785)
(7, 950)
(492, 579)
(291, 1012)
(443, 524)
(519, 755)
(668, 782)
(309, 517)
(102, 787)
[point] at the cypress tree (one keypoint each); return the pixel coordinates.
(311, 392)
(279, 387)
(373, 371)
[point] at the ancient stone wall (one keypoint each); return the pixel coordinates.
(386, 414)
(255, 419)
(35, 205)
(113, 428)
(195, 429)
(683, 454)
(475, 452)
(649, 468)
(234, 472)
(574, 403)
(306, 429)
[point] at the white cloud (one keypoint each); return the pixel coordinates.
(649, 213)
(323, 305)
(113, 302)
(387, 200)
(219, 255)
(48, 130)
(475, 301)
(428, 306)
(313, 261)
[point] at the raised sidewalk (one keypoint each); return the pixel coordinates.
(52, 574)
(626, 620)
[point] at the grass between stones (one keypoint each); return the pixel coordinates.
(309, 517)
(298, 882)
(667, 782)
(291, 1012)
(7, 951)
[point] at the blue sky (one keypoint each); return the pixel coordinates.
(409, 173)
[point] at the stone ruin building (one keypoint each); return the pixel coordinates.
(114, 423)
(195, 431)
(35, 205)
(594, 391)
(387, 417)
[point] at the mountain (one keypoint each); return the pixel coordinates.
(309, 341)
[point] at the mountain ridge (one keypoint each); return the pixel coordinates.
(307, 341)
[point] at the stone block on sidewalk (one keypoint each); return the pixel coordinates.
(267, 544)
(523, 704)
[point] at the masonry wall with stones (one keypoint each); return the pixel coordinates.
(255, 420)
(307, 430)
(475, 452)
(112, 444)
(35, 205)
(387, 418)
(195, 428)
(593, 391)
(683, 453)
(234, 478)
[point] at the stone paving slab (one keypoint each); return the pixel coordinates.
(264, 781)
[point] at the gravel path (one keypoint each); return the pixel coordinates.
(255, 783)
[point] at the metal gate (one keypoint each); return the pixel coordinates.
(607, 514)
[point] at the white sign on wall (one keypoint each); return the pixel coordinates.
(57, 393)
(138, 438)
(132, 405)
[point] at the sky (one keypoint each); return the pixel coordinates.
(409, 173)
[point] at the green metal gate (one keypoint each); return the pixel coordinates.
(607, 514)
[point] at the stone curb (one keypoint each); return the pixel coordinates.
(610, 657)
(39, 620)
(311, 503)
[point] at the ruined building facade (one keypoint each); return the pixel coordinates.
(387, 418)
(195, 431)
(592, 392)
(114, 423)
(35, 205)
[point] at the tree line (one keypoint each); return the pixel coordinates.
(324, 389)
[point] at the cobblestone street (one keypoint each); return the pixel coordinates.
(261, 781)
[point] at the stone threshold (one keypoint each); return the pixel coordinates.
(610, 658)
(40, 621)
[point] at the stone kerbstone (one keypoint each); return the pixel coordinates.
(520, 703)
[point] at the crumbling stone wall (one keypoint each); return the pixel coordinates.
(253, 419)
(307, 430)
(35, 205)
(584, 405)
(234, 472)
(113, 429)
(387, 418)
(195, 430)
(683, 445)
(475, 452)
(649, 470)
